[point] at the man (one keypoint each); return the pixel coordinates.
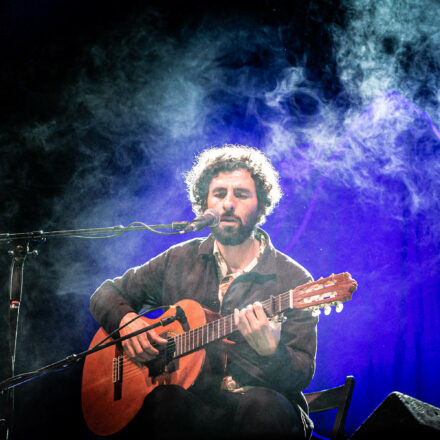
(257, 391)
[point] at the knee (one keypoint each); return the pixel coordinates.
(164, 393)
(264, 411)
(267, 401)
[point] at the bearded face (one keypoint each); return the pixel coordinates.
(233, 195)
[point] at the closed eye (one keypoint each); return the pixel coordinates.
(242, 194)
(220, 194)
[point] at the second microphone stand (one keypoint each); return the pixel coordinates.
(20, 250)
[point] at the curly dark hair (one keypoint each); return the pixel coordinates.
(213, 161)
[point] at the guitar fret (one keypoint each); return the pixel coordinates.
(306, 297)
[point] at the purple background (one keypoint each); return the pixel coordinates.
(104, 107)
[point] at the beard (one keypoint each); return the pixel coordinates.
(235, 233)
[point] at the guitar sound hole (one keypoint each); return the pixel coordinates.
(164, 363)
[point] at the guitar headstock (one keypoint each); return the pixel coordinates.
(324, 293)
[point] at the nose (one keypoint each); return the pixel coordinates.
(228, 204)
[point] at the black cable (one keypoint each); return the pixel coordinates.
(155, 230)
(117, 234)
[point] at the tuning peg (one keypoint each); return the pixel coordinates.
(327, 310)
(316, 312)
(339, 307)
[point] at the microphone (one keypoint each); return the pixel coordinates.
(209, 218)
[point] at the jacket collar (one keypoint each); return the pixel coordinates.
(266, 263)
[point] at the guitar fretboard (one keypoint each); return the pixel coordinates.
(213, 331)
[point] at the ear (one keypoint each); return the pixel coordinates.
(260, 211)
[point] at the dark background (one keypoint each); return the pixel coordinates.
(105, 104)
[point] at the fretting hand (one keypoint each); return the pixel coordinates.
(260, 334)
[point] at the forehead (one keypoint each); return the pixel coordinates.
(234, 179)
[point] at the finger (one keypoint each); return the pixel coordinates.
(128, 350)
(154, 337)
(144, 351)
(236, 317)
(260, 313)
(252, 320)
(243, 322)
(144, 345)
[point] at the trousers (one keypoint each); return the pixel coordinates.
(258, 413)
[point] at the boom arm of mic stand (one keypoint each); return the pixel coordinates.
(73, 358)
(38, 235)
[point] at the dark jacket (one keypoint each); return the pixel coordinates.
(188, 270)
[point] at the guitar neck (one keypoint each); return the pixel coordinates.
(323, 293)
(199, 337)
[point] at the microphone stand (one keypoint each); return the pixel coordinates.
(20, 250)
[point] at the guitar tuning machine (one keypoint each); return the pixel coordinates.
(339, 307)
(316, 312)
(327, 310)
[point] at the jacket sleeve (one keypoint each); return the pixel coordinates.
(291, 368)
(135, 288)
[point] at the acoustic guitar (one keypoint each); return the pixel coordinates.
(114, 388)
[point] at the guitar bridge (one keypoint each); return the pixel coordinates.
(117, 374)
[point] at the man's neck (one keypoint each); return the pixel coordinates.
(239, 256)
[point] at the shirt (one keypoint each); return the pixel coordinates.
(225, 276)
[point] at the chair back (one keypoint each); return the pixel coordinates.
(334, 398)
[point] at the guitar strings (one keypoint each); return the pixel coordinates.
(192, 338)
(191, 341)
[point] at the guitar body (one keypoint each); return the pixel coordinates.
(114, 388)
